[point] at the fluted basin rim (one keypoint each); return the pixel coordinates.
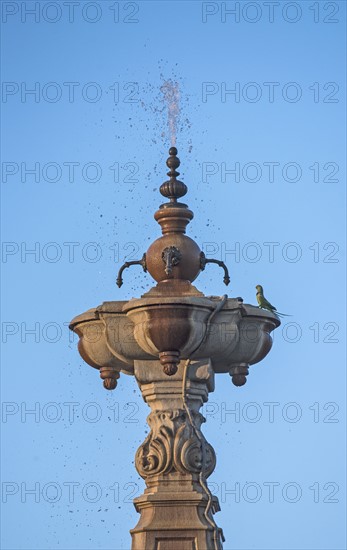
(85, 317)
(190, 301)
(210, 302)
(249, 310)
(92, 314)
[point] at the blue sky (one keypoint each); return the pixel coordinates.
(265, 167)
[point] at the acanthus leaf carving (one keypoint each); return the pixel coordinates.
(174, 445)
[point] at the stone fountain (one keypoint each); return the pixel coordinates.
(174, 340)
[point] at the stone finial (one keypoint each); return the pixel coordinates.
(110, 376)
(173, 189)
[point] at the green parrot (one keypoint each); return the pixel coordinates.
(264, 304)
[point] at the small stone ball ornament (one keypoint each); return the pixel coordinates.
(110, 376)
(239, 374)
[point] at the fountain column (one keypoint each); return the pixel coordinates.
(175, 460)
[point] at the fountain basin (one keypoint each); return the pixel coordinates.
(115, 334)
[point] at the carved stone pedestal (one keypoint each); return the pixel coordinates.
(175, 459)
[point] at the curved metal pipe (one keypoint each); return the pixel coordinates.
(142, 262)
(204, 261)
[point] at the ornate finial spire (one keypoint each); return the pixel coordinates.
(173, 189)
(173, 216)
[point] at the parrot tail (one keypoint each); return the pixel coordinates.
(282, 314)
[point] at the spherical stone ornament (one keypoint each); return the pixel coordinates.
(170, 361)
(188, 267)
(239, 374)
(109, 376)
(239, 380)
(173, 162)
(110, 384)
